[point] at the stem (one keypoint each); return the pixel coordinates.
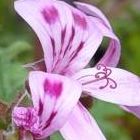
(32, 65)
(21, 98)
(24, 135)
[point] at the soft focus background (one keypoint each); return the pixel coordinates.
(17, 47)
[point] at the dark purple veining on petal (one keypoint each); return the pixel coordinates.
(70, 40)
(63, 33)
(53, 46)
(48, 122)
(54, 89)
(50, 14)
(72, 56)
(75, 53)
(80, 20)
(40, 108)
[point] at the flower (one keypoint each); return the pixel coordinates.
(53, 100)
(70, 37)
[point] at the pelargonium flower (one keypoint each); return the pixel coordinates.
(51, 107)
(55, 100)
(70, 37)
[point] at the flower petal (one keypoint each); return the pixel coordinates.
(66, 34)
(76, 53)
(54, 97)
(32, 12)
(112, 54)
(111, 84)
(81, 125)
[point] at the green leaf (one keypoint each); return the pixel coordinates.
(15, 49)
(108, 117)
(56, 136)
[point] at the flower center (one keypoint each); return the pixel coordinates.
(26, 118)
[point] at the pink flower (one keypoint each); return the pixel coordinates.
(53, 100)
(70, 37)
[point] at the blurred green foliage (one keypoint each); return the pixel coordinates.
(15, 49)
(12, 74)
(129, 32)
(16, 41)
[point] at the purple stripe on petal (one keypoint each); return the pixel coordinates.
(63, 33)
(52, 88)
(48, 122)
(53, 46)
(80, 21)
(50, 14)
(40, 108)
(75, 53)
(70, 40)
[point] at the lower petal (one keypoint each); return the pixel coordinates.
(81, 125)
(54, 96)
(111, 84)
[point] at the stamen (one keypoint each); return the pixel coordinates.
(102, 75)
(22, 97)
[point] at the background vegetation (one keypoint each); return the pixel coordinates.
(17, 43)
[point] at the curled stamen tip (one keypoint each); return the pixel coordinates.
(113, 86)
(99, 66)
(104, 75)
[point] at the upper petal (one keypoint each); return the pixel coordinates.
(69, 39)
(54, 97)
(83, 41)
(41, 15)
(111, 84)
(81, 125)
(112, 55)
